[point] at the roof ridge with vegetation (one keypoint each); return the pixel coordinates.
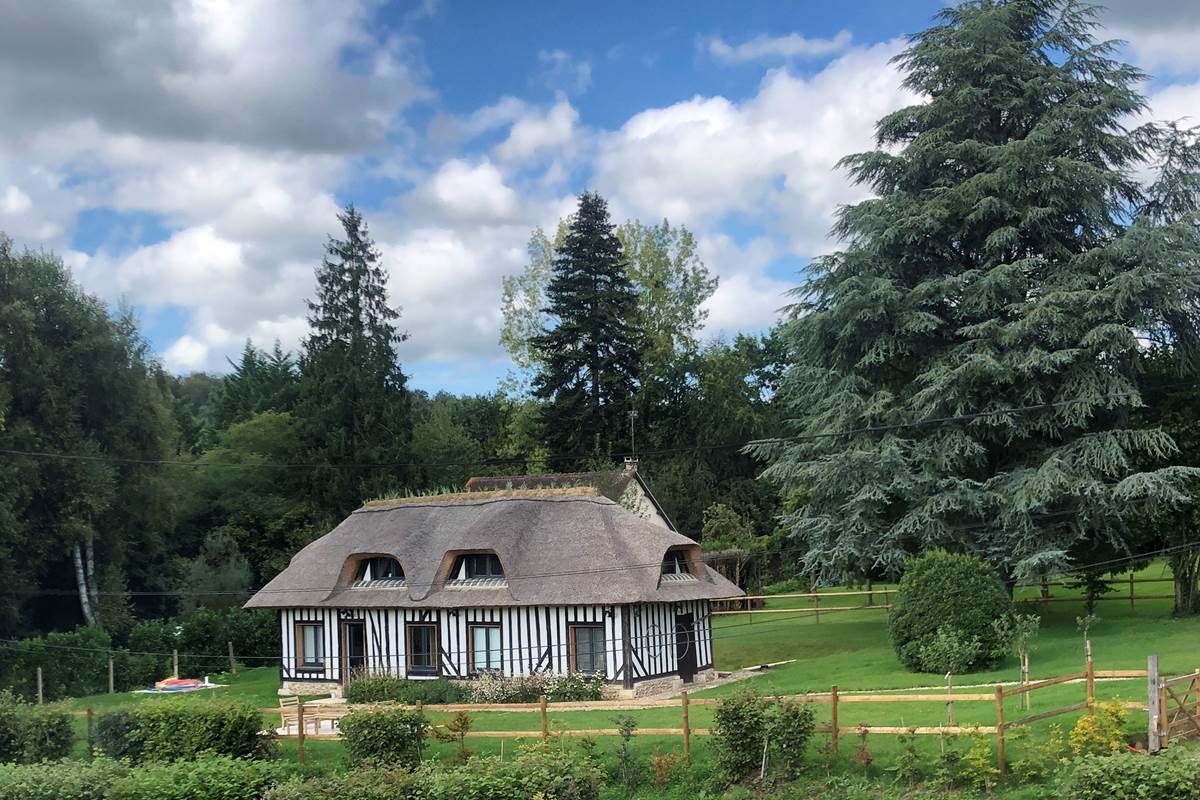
(482, 497)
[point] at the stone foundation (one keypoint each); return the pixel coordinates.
(289, 688)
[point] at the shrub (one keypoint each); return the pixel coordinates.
(977, 769)
(555, 774)
(377, 783)
(385, 734)
(573, 688)
(949, 650)
(1041, 758)
(46, 734)
(31, 733)
(945, 590)
(1099, 734)
(117, 735)
(209, 778)
(149, 659)
(740, 728)
(85, 672)
(171, 731)
(790, 728)
(64, 780)
(388, 688)
(1127, 776)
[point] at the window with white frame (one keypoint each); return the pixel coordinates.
(485, 648)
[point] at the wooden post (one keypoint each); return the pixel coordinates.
(816, 598)
(1026, 697)
(1131, 590)
(687, 728)
(1000, 760)
(39, 685)
(232, 663)
(1091, 687)
(833, 713)
(1045, 591)
(91, 749)
(545, 720)
(1154, 711)
(1164, 719)
(870, 593)
(110, 675)
(419, 704)
(949, 703)
(174, 663)
(300, 732)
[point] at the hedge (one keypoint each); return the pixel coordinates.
(63, 780)
(384, 734)
(384, 688)
(31, 733)
(210, 778)
(1174, 775)
(175, 731)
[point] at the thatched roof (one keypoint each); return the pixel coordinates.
(557, 547)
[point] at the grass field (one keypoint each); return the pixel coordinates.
(850, 649)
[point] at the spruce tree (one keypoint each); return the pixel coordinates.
(1002, 264)
(590, 356)
(354, 407)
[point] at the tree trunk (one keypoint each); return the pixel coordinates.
(90, 573)
(85, 597)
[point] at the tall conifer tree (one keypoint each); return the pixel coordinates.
(1002, 264)
(592, 352)
(354, 406)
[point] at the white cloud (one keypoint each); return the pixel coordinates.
(560, 72)
(536, 132)
(793, 45)
(470, 193)
(1161, 33)
(14, 201)
(770, 158)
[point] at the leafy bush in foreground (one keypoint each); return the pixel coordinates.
(1174, 775)
(210, 778)
(62, 780)
(390, 735)
(116, 735)
(528, 688)
(954, 597)
(30, 733)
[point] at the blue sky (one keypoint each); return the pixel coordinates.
(188, 158)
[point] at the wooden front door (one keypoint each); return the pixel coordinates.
(354, 649)
(685, 646)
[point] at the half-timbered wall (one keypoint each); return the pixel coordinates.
(532, 638)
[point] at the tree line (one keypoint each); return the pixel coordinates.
(1001, 360)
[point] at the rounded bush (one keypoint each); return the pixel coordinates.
(945, 610)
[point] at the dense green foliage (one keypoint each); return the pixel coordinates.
(116, 735)
(1008, 260)
(392, 735)
(209, 778)
(947, 596)
(30, 733)
(389, 688)
(1172, 776)
(180, 731)
(746, 723)
(63, 780)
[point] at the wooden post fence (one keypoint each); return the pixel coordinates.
(816, 600)
(950, 703)
(232, 663)
(300, 732)
(110, 675)
(545, 720)
(39, 685)
(90, 728)
(1131, 590)
(687, 728)
(1153, 711)
(833, 713)
(1091, 687)
(1000, 760)
(174, 663)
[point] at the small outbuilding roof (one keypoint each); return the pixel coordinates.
(556, 547)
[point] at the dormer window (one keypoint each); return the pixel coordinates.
(476, 569)
(379, 571)
(676, 567)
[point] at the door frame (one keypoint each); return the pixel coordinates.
(685, 646)
(344, 650)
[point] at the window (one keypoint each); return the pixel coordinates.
(587, 648)
(477, 565)
(310, 646)
(485, 648)
(422, 649)
(379, 570)
(675, 562)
